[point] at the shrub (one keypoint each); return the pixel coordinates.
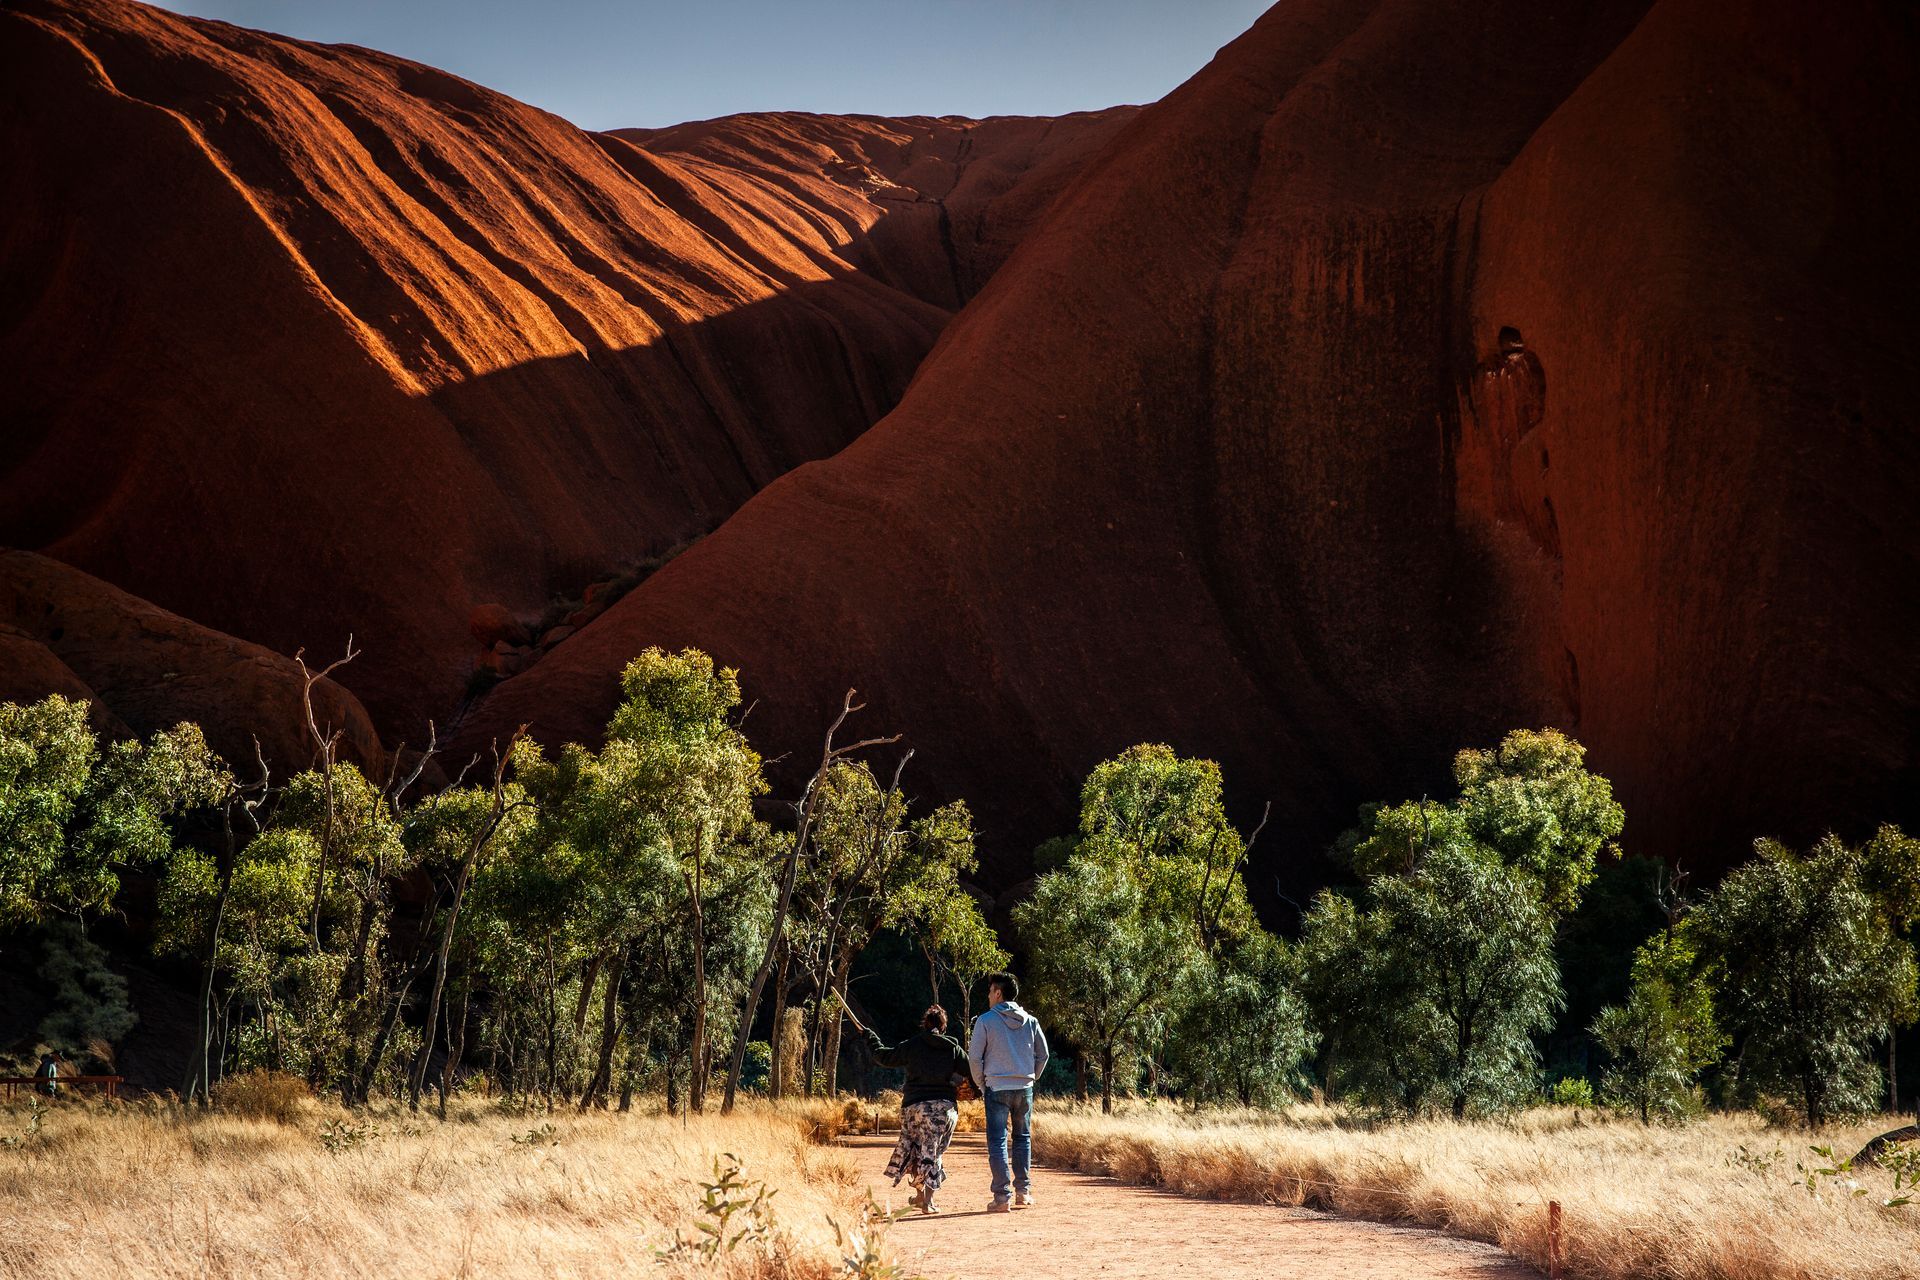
(264, 1095)
(1571, 1091)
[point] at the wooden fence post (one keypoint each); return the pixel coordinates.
(1553, 1240)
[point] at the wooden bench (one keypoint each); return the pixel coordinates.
(33, 1084)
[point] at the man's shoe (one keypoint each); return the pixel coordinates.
(1000, 1206)
(1023, 1199)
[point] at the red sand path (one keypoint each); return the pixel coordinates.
(1083, 1227)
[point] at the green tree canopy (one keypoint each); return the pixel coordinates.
(72, 813)
(1812, 972)
(1155, 844)
(1664, 1035)
(1531, 802)
(1433, 993)
(1099, 959)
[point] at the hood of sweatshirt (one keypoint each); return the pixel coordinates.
(1012, 1014)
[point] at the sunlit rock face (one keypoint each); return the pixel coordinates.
(1414, 372)
(308, 340)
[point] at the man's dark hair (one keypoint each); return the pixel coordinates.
(1008, 984)
(934, 1019)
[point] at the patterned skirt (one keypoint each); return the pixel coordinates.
(925, 1130)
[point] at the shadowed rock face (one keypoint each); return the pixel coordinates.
(143, 669)
(1415, 371)
(305, 340)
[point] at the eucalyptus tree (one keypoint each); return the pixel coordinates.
(1432, 993)
(1101, 960)
(531, 933)
(1239, 1031)
(1664, 1034)
(779, 948)
(1155, 846)
(458, 830)
(656, 818)
(1811, 972)
(944, 919)
(74, 813)
(874, 867)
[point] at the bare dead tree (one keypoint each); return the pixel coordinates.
(326, 745)
(246, 800)
(809, 797)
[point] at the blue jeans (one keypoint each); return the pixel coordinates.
(1014, 1105)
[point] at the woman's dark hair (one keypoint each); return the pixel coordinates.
(934, 1019)
(1008, 984)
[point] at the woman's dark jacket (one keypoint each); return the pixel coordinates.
(932, 1062)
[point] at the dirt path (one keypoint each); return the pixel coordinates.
(1088, 1228)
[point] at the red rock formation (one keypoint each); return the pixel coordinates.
(305, 340)
(958, 194)
(144, 669)
(1230, 453)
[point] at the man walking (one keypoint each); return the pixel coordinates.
(1007, 1053)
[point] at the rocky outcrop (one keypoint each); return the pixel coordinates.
(1414, 372)
(304, 340)
(143, 669)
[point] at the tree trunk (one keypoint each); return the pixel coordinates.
(198, 1073)
(832, 1047)
(585, 997)
(1893, 1074)
(1106, 1080)
(596, 1094)
(1080, 1075)
(456, 1047)
(475, 851)
(809, 1051)
(550, 991)
(777, 1083)
(697, 1049)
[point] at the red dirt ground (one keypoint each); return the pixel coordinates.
(1089, 1228)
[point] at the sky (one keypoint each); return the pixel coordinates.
(604, 64)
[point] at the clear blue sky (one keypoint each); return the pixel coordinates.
(604, 64)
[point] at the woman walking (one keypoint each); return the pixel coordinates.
(929, 1106)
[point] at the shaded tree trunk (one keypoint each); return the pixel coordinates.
(587, 979)
(457, 1046)
(596, 1094)
(199, 1075)
(777, 1084)
(831, 1048)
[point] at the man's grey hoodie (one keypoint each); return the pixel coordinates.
(1008, 1050)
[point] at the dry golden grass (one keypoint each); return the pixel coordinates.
(1639, 1203)
(162, 1191)
(830, 1118)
